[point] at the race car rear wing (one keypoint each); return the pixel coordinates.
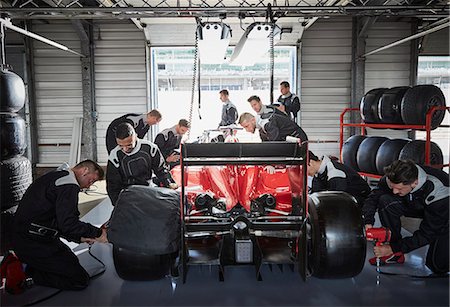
(243, 153)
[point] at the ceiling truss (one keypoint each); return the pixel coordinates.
(221, 9)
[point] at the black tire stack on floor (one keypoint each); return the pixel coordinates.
(398, 105)
(15, 170)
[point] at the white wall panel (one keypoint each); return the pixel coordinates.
(58, 90)
(120, 80)
(325, 81)
(390, 67)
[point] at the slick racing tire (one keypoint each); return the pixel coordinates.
(367, 153)
(369, 105)
(350, 149)
(418, 100)
(131, 265)
(415, 150)
(389, 105)
(338, 244)
(388, 153)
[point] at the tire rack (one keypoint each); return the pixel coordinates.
(362, 125)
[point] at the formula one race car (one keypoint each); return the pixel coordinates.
(247, 203)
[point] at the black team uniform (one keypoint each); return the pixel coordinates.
(136, 120)
(277, 128)
(135, 168)
(291, 104)
(428, 200)
(335, 176)
(52, 201)
(168, 140)
(229, 114)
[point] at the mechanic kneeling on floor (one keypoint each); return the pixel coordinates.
(132, 162)
(408, 189)
(48, 211)
(330, 175)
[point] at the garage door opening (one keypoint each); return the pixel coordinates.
(436, 70)
(172, 79)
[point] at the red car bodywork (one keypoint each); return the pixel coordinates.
(242, 184)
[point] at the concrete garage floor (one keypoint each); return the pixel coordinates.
(279, 287)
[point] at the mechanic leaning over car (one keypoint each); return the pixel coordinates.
(408, 189)
(132, 162)
(263, 112)
(140, 122)
(48, 211)
(277, 127)
(330, 175)
(169, 139)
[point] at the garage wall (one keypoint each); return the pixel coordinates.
(390, 67)
(120, 80)
(58, 90)
(325, 81)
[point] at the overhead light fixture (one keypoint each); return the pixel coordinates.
(254, 43)
(213, 40)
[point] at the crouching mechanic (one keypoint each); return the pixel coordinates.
(132, 162)
(48, 211)
(408, 189)
(330, 175)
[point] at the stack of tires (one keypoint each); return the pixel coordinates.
(15, 170)
(371, 154)
(401, 106)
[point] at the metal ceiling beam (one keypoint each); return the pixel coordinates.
(407, 39)
(278, 11)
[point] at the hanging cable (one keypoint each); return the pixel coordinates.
(194, 68)
(272, 62)
(198, 88)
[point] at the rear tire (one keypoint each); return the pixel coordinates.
(131, 265)
(338, 244)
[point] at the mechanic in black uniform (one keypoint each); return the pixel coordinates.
(277, 127)
(263, 112)
(140, 122)
(288, 102)
(169, 139)
(408, 189)
(48, 211)
(229, 110)
(330, 175)
(132, 162)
